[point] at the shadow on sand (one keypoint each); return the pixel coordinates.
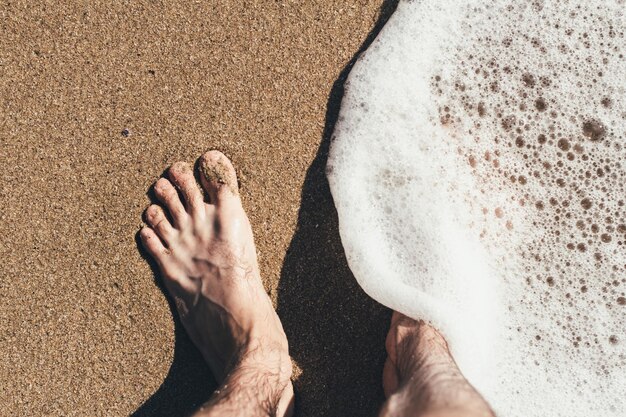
(336, 332)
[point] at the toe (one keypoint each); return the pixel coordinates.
(155, 217)
(181, 176)
(167, 194)
(152, 243)
(219, 178)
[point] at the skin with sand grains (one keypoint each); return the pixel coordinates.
(208, 261)
(207, 258)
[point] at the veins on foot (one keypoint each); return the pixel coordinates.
(207, 258)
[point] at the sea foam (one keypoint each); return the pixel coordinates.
(479, 172)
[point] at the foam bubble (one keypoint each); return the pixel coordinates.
(478, 168)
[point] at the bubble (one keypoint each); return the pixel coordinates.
(540, 104)
(529, 80)
(508, 122)
(594, 130)
(563, 144)
(481, 109)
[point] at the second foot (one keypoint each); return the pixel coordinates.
(420, 377)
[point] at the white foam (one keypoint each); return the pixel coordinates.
(453, 209)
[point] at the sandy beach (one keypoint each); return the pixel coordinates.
(97, 99)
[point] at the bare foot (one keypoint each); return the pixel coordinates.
(420, 377)
(207, 258)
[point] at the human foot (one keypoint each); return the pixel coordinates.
(420, 377)
(207, 258)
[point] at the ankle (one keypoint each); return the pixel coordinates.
(436, 387)
(452, 401)
(428, 381)
(258, 384)
(269, 359)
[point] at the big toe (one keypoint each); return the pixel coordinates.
(218, 177)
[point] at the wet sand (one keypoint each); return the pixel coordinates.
(96, 100)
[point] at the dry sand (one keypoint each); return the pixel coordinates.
(85, 328)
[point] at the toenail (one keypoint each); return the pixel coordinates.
(180, 168)
(161, 184)
(218, 172)
(153, 212)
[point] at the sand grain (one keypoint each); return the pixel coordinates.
(96, 100)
